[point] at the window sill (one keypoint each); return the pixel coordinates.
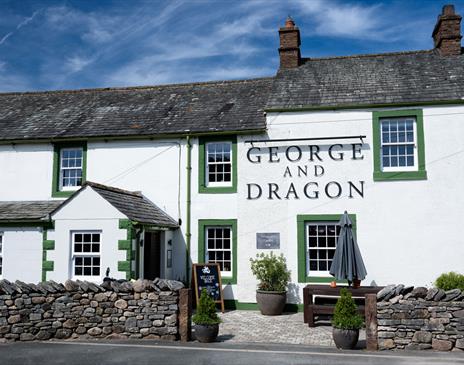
(217, 189)
(228, 280)
(63, 193)
(323, 279)
(400, 175)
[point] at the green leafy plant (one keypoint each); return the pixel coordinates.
(450, 280)
(271, 271)
(345, 313)
(206, 310)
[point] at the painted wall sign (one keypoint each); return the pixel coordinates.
(208, 276)
(267, 241)
(302, 162)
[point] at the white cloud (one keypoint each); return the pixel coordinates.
(357, 21)
(27, 20)
(146, 72)
(19, 26)
(5, 37)
(77, 63)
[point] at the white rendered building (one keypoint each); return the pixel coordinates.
(143, 182)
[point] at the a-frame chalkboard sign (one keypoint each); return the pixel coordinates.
(208, 276)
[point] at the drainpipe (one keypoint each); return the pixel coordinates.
(188, 234)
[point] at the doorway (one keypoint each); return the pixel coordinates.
(152, 255)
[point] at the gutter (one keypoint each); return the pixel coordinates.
(159, 136)
(302, 108)
(188, 233)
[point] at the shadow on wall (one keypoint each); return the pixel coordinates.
(293, 293)
(179, 249)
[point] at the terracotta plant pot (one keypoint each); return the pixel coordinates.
(333, 284)
(345, 339)
(271, 303)
(206, 332)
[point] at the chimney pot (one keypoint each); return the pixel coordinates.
(289, 50)
(289, 23)
(447, 32)
(448, 10)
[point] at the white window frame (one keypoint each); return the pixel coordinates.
(70, 188)
(85, 254)
(207, 250)
(1, 254)
(415, 167)
(219, 183)
(316, 273)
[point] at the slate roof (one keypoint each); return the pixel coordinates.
(406, 77)
(390, 78)
(16, 211)
(134, 205)
(135, 111)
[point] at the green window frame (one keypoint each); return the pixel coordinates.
(302, 220)
(203, 187)
(203, 224)
(57, 147)
(379, 174)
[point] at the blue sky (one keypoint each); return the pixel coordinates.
(71, 44)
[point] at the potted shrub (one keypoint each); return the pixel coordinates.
(206, 319)
(346, 321)
(273, 276)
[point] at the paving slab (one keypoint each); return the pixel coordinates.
(288, 328)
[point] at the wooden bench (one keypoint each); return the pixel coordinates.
(311, 309)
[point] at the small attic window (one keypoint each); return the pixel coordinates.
(69, 169)
(71, 162)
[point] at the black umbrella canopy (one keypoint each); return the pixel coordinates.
(347, 263)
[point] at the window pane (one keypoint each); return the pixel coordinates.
(321, 245)
(219, 246)
(313, 265)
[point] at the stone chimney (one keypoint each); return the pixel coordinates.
(447, 32)
(289, 50)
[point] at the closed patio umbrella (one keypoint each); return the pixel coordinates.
(347, 263)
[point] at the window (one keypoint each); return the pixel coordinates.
(86, 253)
(218, 165)
(1, 254)
(321, 238)
(219, 248)
(317, 241)
(218, 244)
(398, 145)
(69, 169)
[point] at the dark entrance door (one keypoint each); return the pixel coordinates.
(152, 255)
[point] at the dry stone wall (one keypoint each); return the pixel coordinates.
(114, 309)
(420, 318)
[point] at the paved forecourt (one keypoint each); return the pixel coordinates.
(252, 326)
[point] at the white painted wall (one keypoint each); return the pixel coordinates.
(88, 211)
(22, 254)
(408, 231)
(26, 171)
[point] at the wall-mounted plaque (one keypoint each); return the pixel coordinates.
(268, 241)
